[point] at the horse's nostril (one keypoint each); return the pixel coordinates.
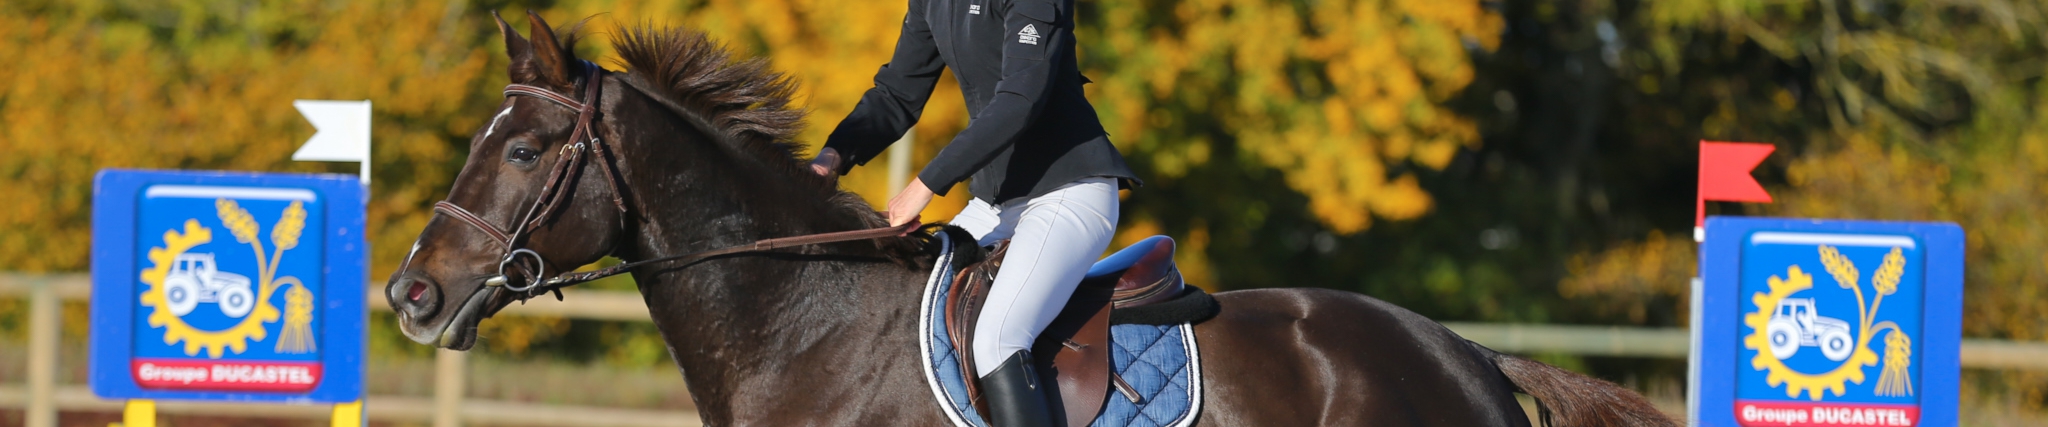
(414, 296)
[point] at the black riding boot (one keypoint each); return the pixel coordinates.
(1015, 396)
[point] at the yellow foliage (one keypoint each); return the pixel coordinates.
(1342, 98)
(832, 50)
(1864, 179)
(1630, 275)
(1998, 206)
(1926, 119)
(1328, 93)
(517, 334)
(195, 84)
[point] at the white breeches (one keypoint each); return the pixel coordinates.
(1054, 238)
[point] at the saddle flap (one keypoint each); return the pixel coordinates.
(1081, 362)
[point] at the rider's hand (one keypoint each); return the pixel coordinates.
(903, 209)
(827, 163)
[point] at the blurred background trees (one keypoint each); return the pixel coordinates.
(1513, 161)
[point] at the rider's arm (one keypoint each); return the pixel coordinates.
(1035, 38)
(901, 88)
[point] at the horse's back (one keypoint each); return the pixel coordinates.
(1297, 356)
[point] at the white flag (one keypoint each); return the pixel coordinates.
(341, 132)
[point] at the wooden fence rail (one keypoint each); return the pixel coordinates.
(404, 409)
(42, 398)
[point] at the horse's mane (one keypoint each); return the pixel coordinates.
(744, 105)
(743, 102)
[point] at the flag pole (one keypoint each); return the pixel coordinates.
(341, 133)
(1723, 175)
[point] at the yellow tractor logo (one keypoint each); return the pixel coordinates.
(180, 280)
(1783, 325)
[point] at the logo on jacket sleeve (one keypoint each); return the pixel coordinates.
(1028, 36)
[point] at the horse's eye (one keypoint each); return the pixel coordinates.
(523, 155)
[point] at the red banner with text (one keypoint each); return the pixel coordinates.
(182, 374)
(1822, 414)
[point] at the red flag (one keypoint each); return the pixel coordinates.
(1724, 174)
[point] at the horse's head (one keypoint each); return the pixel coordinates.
(503, 226)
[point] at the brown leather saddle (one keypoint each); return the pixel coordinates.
(1078, 339)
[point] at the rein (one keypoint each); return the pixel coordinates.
(566, 170)
(762, 245)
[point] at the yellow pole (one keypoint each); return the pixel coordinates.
(449, 367)
(139, 413)
(348, 414)
(45, 315)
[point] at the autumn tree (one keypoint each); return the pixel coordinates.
(1898, 110)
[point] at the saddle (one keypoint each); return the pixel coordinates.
(1078, 338)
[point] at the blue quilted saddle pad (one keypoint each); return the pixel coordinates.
(1161, 363)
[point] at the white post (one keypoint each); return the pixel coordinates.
(1692, 354)
(45, 313)
(449, 369)
(366, 158)
(341, 133)
(899, 161)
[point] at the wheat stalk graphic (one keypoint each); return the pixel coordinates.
(1898, 348)
(297, 336)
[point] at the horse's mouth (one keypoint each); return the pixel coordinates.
(460, 332)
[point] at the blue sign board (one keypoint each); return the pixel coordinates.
(228, 286)
(1829, 323)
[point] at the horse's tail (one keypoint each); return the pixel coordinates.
(1565, 398)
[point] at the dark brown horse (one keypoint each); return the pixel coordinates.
(692, 152)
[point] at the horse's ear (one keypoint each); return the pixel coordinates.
(550, 57)
(519, 50)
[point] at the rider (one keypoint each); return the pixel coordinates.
(1045, 174)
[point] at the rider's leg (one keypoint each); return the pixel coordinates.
(1056, 237)
(983, 221)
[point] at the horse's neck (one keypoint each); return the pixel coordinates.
(783, 321)
(754, 335)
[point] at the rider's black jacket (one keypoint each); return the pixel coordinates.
(1030, 128)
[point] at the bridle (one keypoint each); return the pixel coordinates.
(583, 141)
(585, 144)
